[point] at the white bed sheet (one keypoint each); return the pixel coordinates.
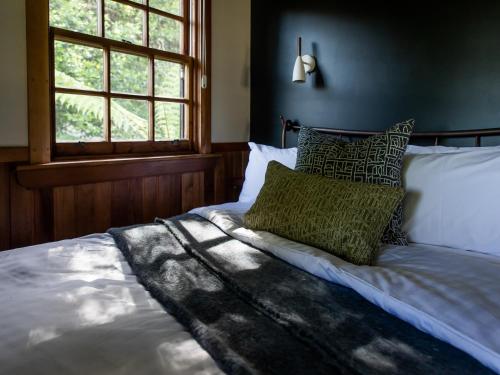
(451, 294)
(74, 307)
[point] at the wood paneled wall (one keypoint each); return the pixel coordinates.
(33, 216)
(4, 207)
(91, 208)
(235, 157)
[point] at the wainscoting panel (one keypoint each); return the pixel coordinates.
(235, 157)
(46, 213)
(51, 209)
(170, 195)
(4, 207)
(94, 208)
(192, 191)
(64, 212)
(26, 214)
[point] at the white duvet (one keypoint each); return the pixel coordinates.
(74, 307)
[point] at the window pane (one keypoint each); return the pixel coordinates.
(169, 79)
(123, 22)
(78, 67)
(170, 6)
(129, 120)
(74, 15)
(169, 121)
(129, 73)
(79, 118)
(165, 33)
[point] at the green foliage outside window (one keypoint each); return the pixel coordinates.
(81, 117)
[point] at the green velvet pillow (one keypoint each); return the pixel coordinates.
(344, 218)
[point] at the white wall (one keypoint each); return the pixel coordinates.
(230, 70)
(13, 86)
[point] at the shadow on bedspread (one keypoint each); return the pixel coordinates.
(257, 314)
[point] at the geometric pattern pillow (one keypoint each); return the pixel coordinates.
(376, 160)
(344, 218)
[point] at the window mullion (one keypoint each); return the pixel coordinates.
(107, 89)
(145, 29)
(79, 38)
(186, 27)
(151, 81)
(100, 19)
(151, 92)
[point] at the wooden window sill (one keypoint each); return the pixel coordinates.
(65, 173)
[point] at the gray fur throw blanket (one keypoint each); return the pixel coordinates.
(255, 314)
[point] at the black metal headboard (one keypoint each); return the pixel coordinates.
(287, 125)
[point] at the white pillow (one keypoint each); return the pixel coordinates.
(453, 200)
(255, 173)
(412, 149)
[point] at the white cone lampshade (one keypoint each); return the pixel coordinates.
(299, 71)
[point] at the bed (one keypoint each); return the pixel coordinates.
(76, 306)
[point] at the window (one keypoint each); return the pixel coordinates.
(121, 76)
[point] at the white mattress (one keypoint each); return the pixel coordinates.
(451, 294)
(74, 307)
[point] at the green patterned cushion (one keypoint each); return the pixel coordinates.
(344, 218)
(376, 160)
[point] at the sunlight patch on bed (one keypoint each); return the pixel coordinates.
(377, 354)
(93, 311)
(171, 272)
(238, 318)
(374, 359)
(42, 334)
(199, 230)
(181, 356)
(56, 251)
(238, 261)
(211, 287)
(222, 218)
(294, 318)
(96, 312)
(247, 233)
(139, 232)
(88, 263)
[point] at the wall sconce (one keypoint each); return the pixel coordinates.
(303, 64)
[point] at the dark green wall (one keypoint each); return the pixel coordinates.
(378, 63)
